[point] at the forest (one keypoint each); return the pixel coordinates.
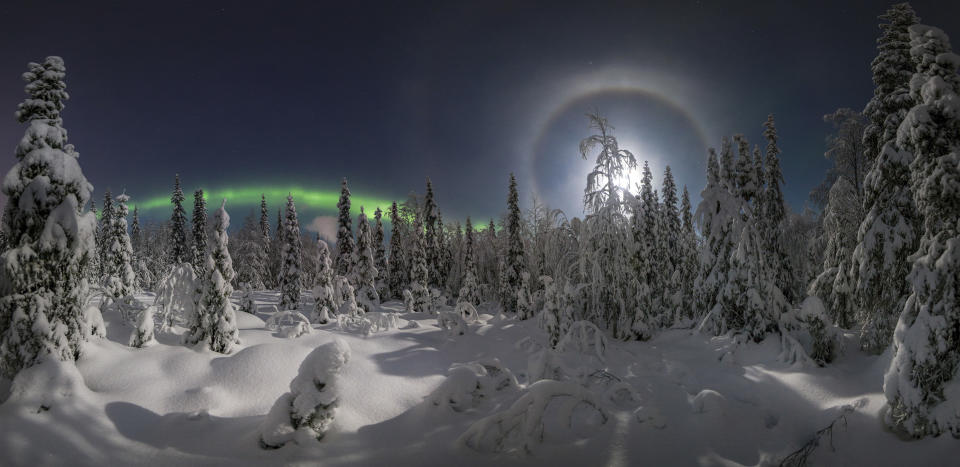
(495, 338)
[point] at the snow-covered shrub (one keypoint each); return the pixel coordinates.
(584, 337)
(247, 305)
(306, 413)
(289, 323)
(549, 318)
(349, 306)
(467, 311)
(807, 331)
(522, 427)
(452, 322)
(142, 336)
(471, 384)
(525, 302)
(382, 321)
(547, 364)
(93, 324)
(408, 301)
(176, 298)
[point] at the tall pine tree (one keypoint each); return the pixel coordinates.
(178, 227)
(199, 232)
(345, 245)
(290, 275)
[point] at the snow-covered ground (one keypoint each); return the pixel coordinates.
(693, 402)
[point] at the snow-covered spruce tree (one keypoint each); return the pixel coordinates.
(718, 216)
(689, 260)
(745, 304)
(772, 213)
(431, 237)
(364, 266)
(118, 280)
(514, 264)
(839, 223)
(892, 69)
(889, 232)
(136, 234)
(216, 320)
(419, 274)
(525, 303)
(398, 273)
(199, 231)
(324, 301)
(921, 383)
(380, 256)
(648, 258)
(549, 317)
(747, 183)
(178, 227)
(669, 243)
(305, 414)
(605, 259)
(104, 230)
(887, 237)
(444, 254)
(142, 335)
(470, 288)
(267, 244)
(51, 235)
(251, 255)
(345, 245)
(290, 276)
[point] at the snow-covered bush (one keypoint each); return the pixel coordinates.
(247, 305)
(289, 323)
(469, 385)
(408, 302)
(807, 335)
(349, 306)
(176, 298)
(142, 336)
(306, 413)
(467, 311)
(547, 364)
(584, 337)
(521, 427)
(549, 318)
(452, 322)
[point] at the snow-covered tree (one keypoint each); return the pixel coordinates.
(178, 226)
(892, 69)
(773, 214)
(216, 320)
(689, 260)
(251, 254)
(419, 274)
(324, 301)
(470, 288)
(142, 335)
(514, 264)
(921, 383)
(345, 245)
(550, 314)
(398, 272)
(104, 229)
(118, 280)
(889, 232)
(669, 240)
(51, 235)
(648, 259)
(290, 276)
(431, 237)
(306, 413)
(525, 302)
(605, 239)
(380, 256)
(840, 221)
(199, 231)
(364, 267)
(717, 216)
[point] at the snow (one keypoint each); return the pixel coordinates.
(666, 401)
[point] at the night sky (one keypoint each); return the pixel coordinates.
(278, 96)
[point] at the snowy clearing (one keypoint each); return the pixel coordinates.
(168, 404)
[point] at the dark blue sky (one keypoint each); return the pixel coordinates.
(238, 94)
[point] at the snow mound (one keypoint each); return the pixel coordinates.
(469, 385)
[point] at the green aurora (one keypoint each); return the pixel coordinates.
(320, 200)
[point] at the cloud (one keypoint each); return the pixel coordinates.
(326, 226)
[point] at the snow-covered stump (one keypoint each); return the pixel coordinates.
(306, 413)
(521, 427)
(143, 336)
